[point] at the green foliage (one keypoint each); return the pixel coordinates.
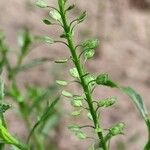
(45, 117)
(88, 82)
(41, 4)
(30, 100)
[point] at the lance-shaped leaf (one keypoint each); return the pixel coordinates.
(137, 100)
(9, 139)
(25, 40)
(44, 116)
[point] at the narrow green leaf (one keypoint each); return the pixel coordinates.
(66, 94)
(25, 39)
(61, 82)
(41, 4)
(137, 100)
(44, 116)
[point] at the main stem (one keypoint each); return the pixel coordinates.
(147, 146)
(81, 72)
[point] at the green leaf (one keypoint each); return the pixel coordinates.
(81, 17)
(89, 54)
(8, 138)
(66, 94)
(47, 21)
(42, 96)
(61, 82)
(55, 15)
(76, 103)
(74, 128)
(81, 135)
(103, 79)
(74, 72)
(25, 39)
(41, 4)
(44, 116)
(137, 100)
(61, 61)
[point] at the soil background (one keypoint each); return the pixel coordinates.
(123, 27)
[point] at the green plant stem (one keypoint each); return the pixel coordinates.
(80, 69)
(147, 146)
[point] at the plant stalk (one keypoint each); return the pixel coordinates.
(81, 72)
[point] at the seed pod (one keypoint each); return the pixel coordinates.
(90, 44)
(103, 79)
(117, 129)
(107, 102)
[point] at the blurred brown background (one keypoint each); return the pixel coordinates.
(123, 27)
